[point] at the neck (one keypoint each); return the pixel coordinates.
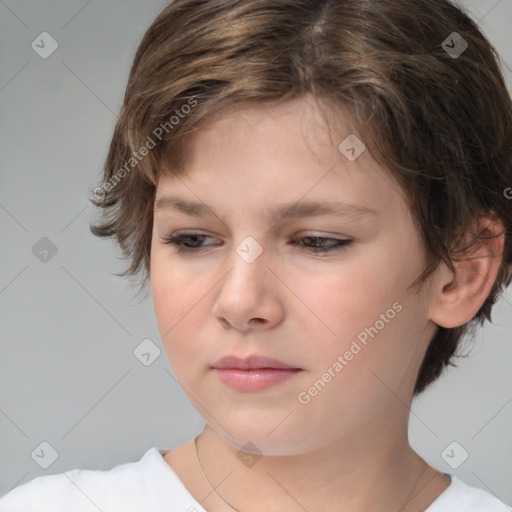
(378, 472)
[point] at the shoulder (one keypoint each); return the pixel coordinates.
(82, 490)
(49, 492)
(460, 497)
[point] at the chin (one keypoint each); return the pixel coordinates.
(254, 434)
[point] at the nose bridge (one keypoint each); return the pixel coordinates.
(243, 287)
(249, 261)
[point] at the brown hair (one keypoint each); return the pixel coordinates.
(440, 123)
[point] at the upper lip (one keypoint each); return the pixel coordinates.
(251, 362)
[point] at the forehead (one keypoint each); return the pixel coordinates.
(291, 130)
(280, 152)
(313, 115)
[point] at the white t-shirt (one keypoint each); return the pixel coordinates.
(150, 485)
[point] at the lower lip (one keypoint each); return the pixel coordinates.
(254, 380)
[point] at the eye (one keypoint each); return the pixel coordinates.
(192, 242)
(319, 245)
(186, 242)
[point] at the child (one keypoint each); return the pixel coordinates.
(317, 191)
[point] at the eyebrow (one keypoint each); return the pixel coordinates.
(285, 210)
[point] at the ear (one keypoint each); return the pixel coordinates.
(459, 295)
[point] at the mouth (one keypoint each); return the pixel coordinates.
(253, 373)
(252, 362)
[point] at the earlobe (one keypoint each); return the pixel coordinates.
(459, 295)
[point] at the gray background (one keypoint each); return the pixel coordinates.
(68, 373)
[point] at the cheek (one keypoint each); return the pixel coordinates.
(175, 301)
(368, 355)
(366, 300)
(178, 323)
(353, 296)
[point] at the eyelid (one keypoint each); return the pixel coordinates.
(300, 234)
(323, 235)
(333, 245)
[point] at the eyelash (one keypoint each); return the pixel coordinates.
(177, 240)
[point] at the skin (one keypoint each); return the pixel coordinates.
(347, 448)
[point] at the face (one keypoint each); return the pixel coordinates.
(262, 267)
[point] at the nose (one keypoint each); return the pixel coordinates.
(248, 296)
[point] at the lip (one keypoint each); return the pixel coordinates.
(254, 380)
(253, 373)
(252, 362)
